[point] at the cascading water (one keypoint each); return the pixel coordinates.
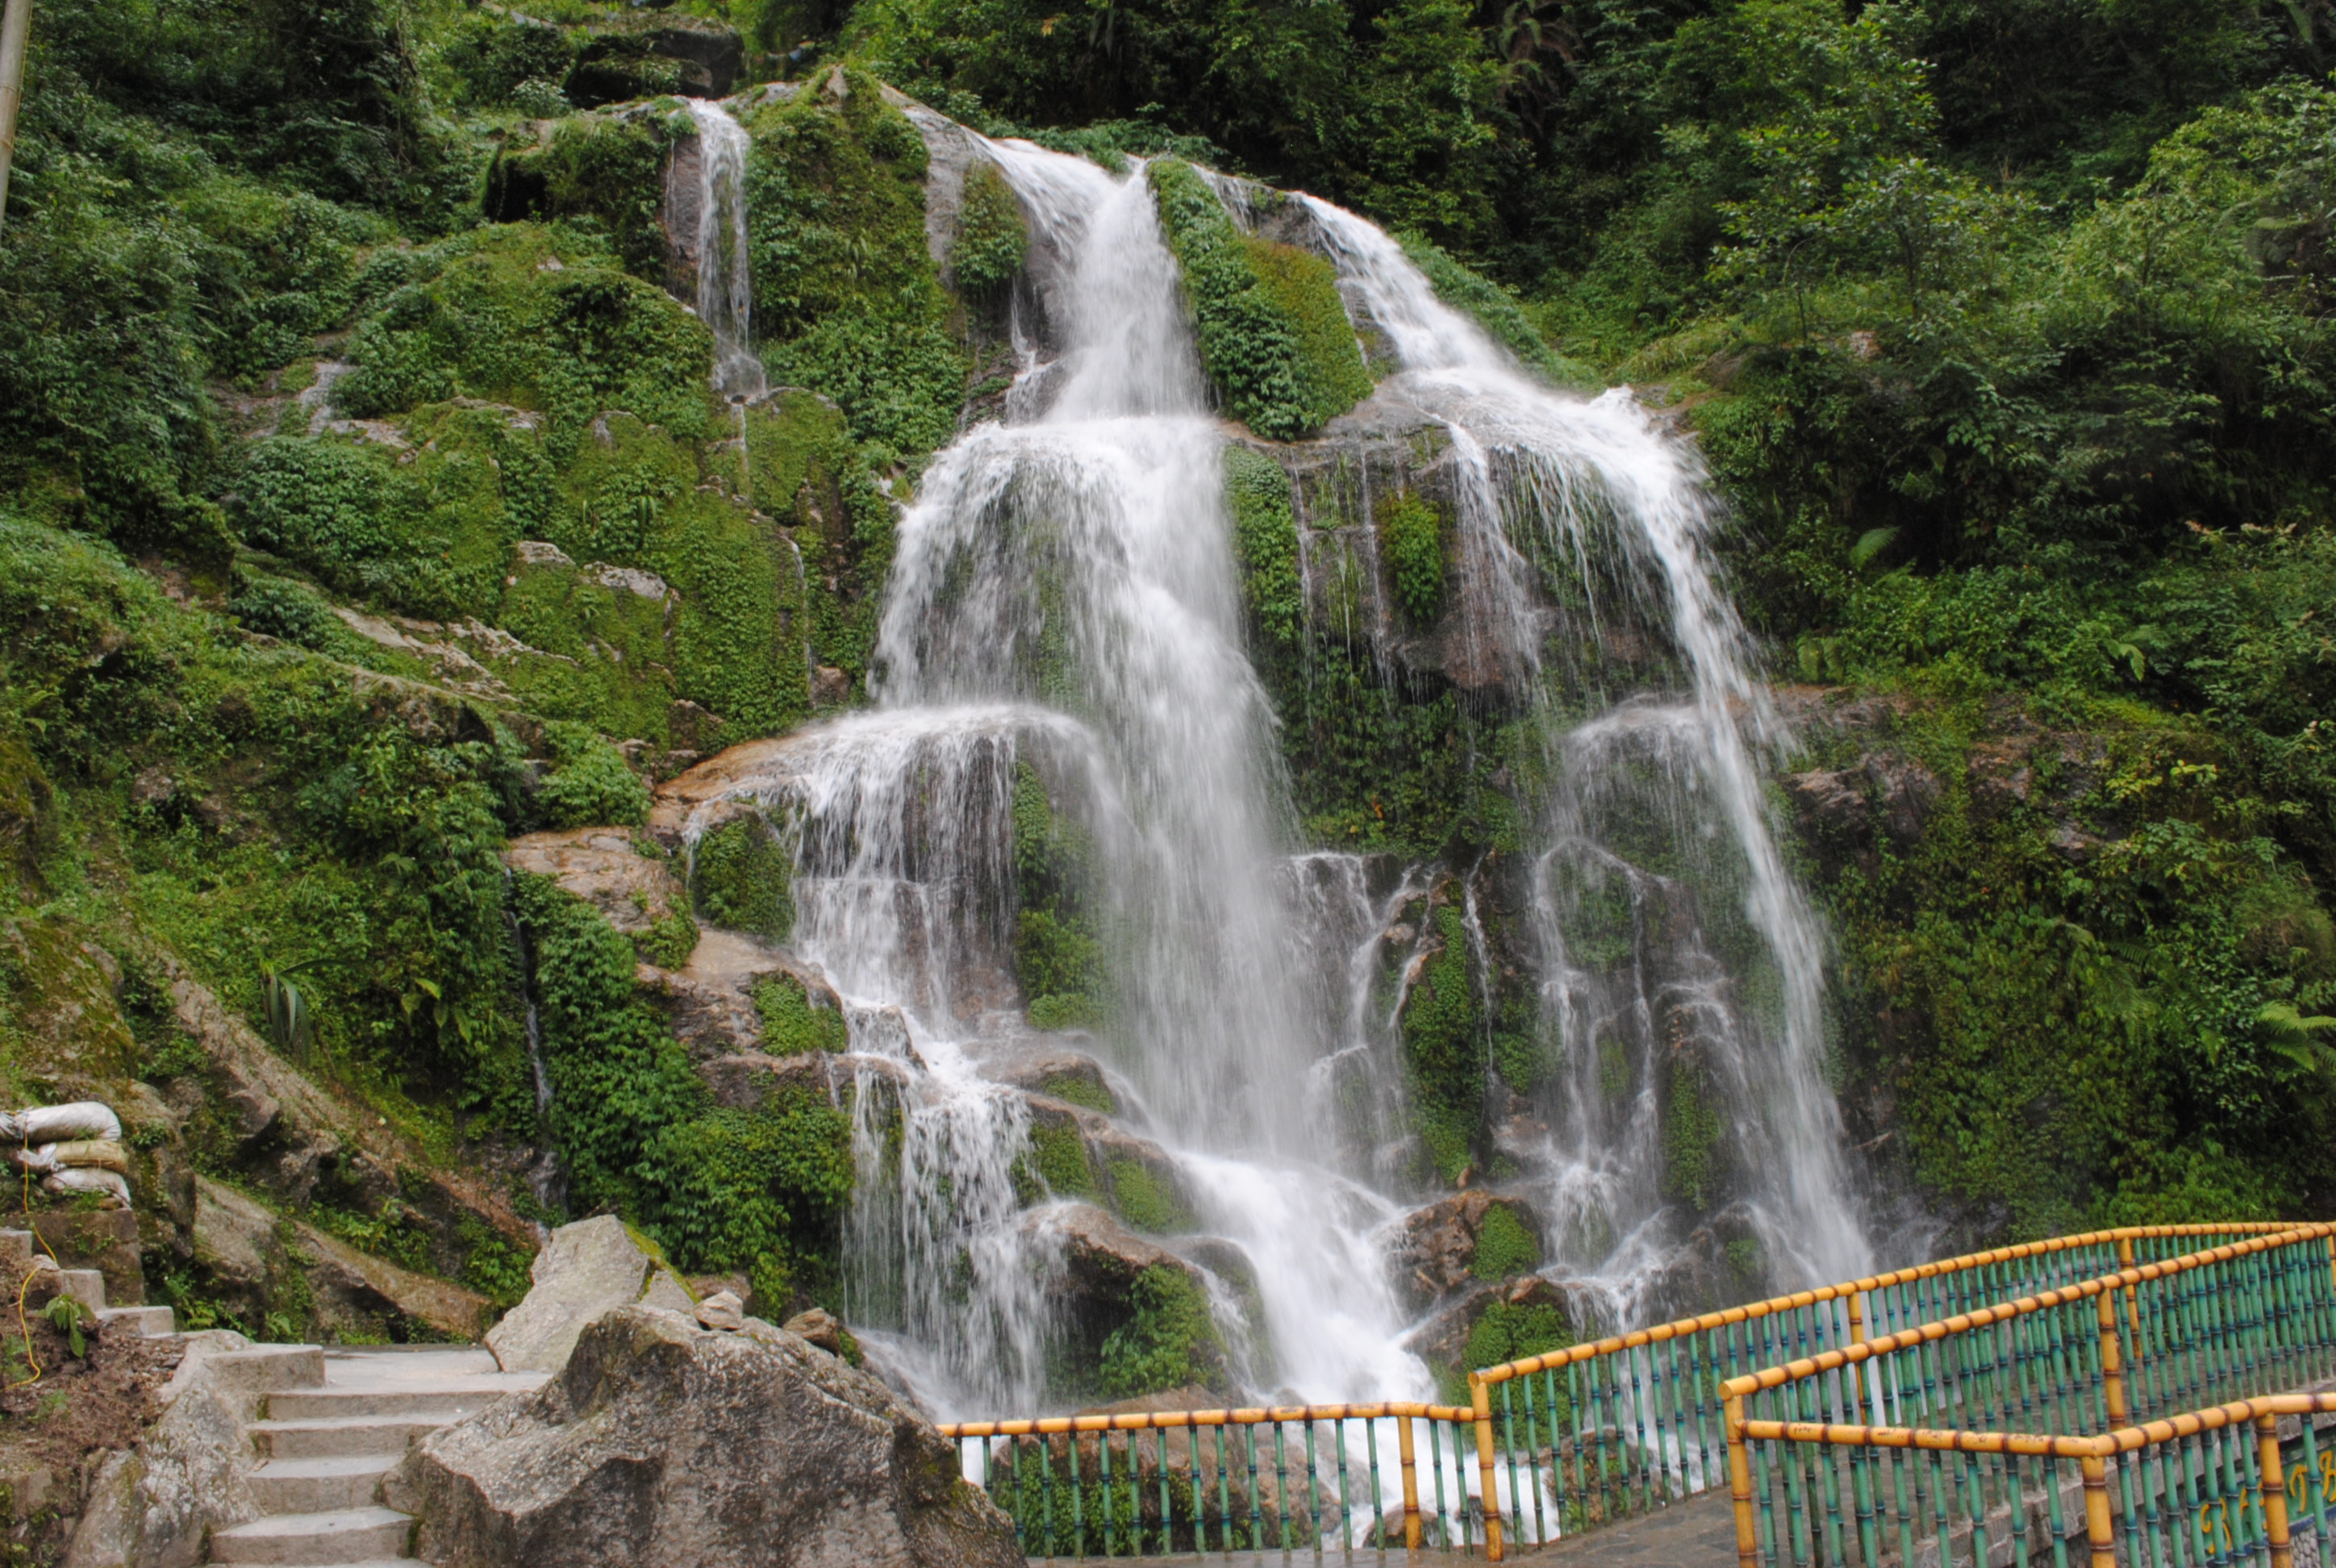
(1591, 493)
(725, 289)
(1061, 627)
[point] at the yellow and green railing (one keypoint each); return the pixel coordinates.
(1552, 1445)
(1289, 1478)
(2132, 1417)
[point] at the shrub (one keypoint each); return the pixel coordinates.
(591, 784)
(1411, 544)
(740, 877)
(793, 1023)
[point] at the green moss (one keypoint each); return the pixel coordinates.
(619, 1081)
(597, 654)
(1443, 1050)
(1505, 1246)
(846, 298)
(1510, 1332)
(1059, 1155)
(1144, 1201)
(1058, 958)
(1265, 541)
(1332, 377)
(1264, 324)
(793, 1023)
(741, 879)
(1169, 1340)
(1078, 1089)
(992, 238)
(633, 496)
(1692, 1152)
(590, 784)
(1412, 544)
(503, 316)
(762, 1190)
(669, 941)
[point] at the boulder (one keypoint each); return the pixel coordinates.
(1436, 1252)
(586, 1269)
(819, 1328)
(662, 1442)
(599, 865)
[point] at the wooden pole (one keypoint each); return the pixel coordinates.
(15, 28)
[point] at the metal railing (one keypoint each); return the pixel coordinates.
(2137, 1413)
(1562, 1442)
(1582, 1436)
(1293, 1478)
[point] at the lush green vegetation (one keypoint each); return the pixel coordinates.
(1273, 334)
(362, 506)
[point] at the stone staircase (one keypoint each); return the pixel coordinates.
(332, 1424)
(86, 1286)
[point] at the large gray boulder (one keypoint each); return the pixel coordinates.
(662, 1442)
(585, 1270)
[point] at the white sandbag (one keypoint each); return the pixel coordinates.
(98, 1153)
(84, 1179)
(56, 1123)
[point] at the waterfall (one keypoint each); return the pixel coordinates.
(725, 289)
(1060, 664)
(1590, 491)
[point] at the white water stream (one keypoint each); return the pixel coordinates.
(1064, 605)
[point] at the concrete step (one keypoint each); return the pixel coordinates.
(451, 1402)
(86, 1286)
(340, 1536)
(317, 1486)
(264, 1368)
(147, 1323)
(338, 1437)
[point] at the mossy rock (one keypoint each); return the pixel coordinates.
(514, 313)
(741, 879)
(992, 239)
(1506, 1245)
(794, 1021)
(847, 300)
(1273, 332)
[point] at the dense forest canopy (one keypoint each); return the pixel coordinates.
(2000, 325)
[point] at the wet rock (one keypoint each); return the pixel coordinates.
(1071, 1077)
(603, 867)
(585, 1270)
(292, 1133)
(355, 1291)
(662, 1442)
(644, 54)
(1436, 1252)
(1906, 793)
(1443, 1341)
(818, 1327)
(1140, 1179)
(1830, 802)
(709, 1001)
